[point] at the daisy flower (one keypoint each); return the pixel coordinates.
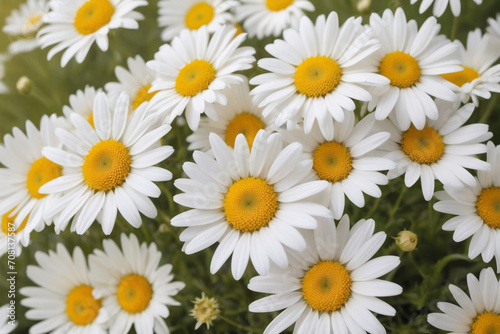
(76, 24)
(176, 15)
(412, 59)
(476, 210)
(63, 301)
(478, 77)
(239, 115)
(479, 313)
(440, 6)
(252, 202)
(6, 325)
(343, 160)
(333, 286)
(110, 167)
(13, 238)
(194, 68)
(442, 150)
(494, 27)
(264, 18)
(133, 288)
(82, 103)
(316, 72)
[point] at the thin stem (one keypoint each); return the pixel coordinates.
(489, 109)
(235, 324)
(454, 28)
(145, 231)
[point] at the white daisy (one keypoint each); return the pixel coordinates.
(477, 210)
(440, 6)
(412, 59)
(109, 168)
(477, 314)
(63, 301)
(442, 150)
(333, 286)
(82, 103)
(494, 26)
(133, 288)
(264, 18)
(252, 202)
(317, 72)
(6, 325)
(176, 15)
(194, 68)
(13, 238)
(239, 115)
(75, 25)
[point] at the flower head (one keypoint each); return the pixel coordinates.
(205, 310)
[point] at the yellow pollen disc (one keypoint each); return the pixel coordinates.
(106, 165)
(250, 204)
(326, 286)
(277, 5)
(142, 96)
(34, 19)
(317, 76)
(93, 15)
(91, 119)
(332, 161)
(486, 323)
(81, 306)
(8, 222)
(245, 123)
(195, 77)
(488, 207)
(200, 14)
(42, 171)
(423, 146)
(401, 68)
(134, 293)
(461, 78)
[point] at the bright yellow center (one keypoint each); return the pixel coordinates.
(332, 161)
(42, 171)
(486, 323)
(81, 306)
(423, 146)
(200, 14)
(134, 293)
(93, 15)
(194, 78)
(106, 165)
(326, 286)
(277, 5)
(8, 223)
(142, 96)
(488, 207)
(245, 123)
(461, 78)
(401, 68)
(317, 76)
(34, 19)
(250, 204)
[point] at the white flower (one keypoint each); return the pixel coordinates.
(193, 70)
(477, 210)
(252, 202)
(479, 313)
(494, 27)
(82, 103)
(76, 24)
(332, 286)
(316, 72)
(110, 167)
(440, 6)
(133, 288)
(63, 301)
(6, 325)
(412, 59)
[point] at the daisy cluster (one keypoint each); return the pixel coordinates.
(263, 136)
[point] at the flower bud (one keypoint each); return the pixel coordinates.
(406, 240)
(24, 85)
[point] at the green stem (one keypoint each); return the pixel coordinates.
(454, 28)
(489, 109)
(146, 233)
(235, 324)
(395, 208)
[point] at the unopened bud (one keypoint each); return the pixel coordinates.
(363, 5)
(406, 240)
(163, 228)
(24, 85)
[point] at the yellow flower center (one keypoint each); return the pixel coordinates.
(81, 306)
(317, 76)
(200, 14)
(250, 204)
(488, 206)
(142, 96)
(401, 68)
(34, 19)
(277, 5)
(468, 74)
(332, 161)
(195, 77)
(486, 323)
(42, 171)
(245, 123)
(106, 165)
(93, 15)
(134, 293)
(8, 223)
(326, 286)
(239, 29)
(423, 146)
